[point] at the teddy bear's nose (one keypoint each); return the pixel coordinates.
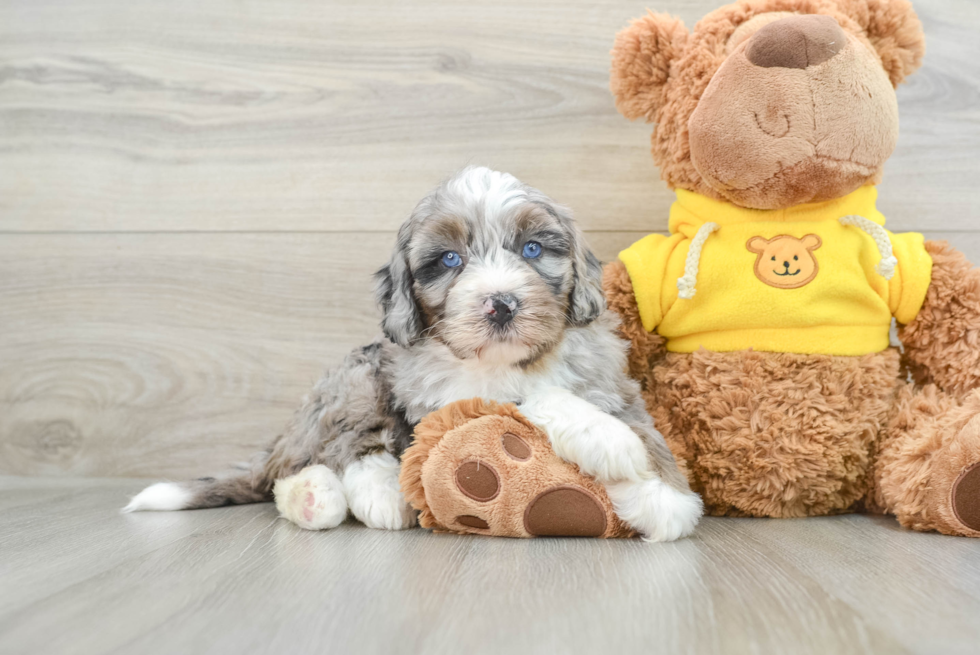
(796, 42)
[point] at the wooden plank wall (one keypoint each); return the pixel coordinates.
(193, 194)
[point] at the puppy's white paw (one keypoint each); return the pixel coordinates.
(599, 444)
(656, 510)
(613, 451)
(374, 495)
(313, 499)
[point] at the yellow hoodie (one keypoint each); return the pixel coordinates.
(820, 278)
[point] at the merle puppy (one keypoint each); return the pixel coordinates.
(491, 292)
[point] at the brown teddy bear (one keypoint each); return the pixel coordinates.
(760, 323)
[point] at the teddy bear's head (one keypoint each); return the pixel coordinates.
(770, 103)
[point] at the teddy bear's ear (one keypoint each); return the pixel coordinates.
(641, 58)
(757, 244)
(811, 242)
(896, 33)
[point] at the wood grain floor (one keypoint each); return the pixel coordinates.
(79, 577)
(194, 195)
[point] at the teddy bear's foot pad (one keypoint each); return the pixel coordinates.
(565, 511)
(966, 497)
(497, 475)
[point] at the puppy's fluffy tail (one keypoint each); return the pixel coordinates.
(242, 485)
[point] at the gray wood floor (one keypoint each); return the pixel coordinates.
(79, 577)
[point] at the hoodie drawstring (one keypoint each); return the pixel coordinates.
(685, 283)
(886, 267)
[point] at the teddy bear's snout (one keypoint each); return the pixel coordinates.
(796, 42)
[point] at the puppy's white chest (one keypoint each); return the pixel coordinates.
(501, 385)
(427, 388)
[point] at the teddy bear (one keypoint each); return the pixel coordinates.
(760, 324)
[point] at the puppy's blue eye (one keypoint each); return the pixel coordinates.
(451, 259)
(532, 250)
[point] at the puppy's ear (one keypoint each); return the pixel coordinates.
(586, 300)
(641, 59)
(401, 319)
(895, 32)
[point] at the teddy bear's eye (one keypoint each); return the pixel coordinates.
(796, 258)
(774, 259)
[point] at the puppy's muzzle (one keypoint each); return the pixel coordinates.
(500, 309)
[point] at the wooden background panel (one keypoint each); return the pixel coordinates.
(173, 354)
(127, 351)
(304, 115)
(232, 115)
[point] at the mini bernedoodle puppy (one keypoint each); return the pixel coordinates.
(491, 292)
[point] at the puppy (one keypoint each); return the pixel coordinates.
(491, 292)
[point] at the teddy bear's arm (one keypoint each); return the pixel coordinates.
(646, 348)
(942, 343)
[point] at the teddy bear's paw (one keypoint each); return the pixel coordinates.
(498, 476)
(964, 464)
(375, 499)
(313, 499)
(941, 492)
(656, 510)
(966, 497)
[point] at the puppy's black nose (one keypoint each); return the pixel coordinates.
(500, 309)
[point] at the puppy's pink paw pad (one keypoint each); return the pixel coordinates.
(308, 506)
(313, 498)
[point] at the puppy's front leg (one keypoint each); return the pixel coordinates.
(599, 444)
(374, 495)
(607, 449)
